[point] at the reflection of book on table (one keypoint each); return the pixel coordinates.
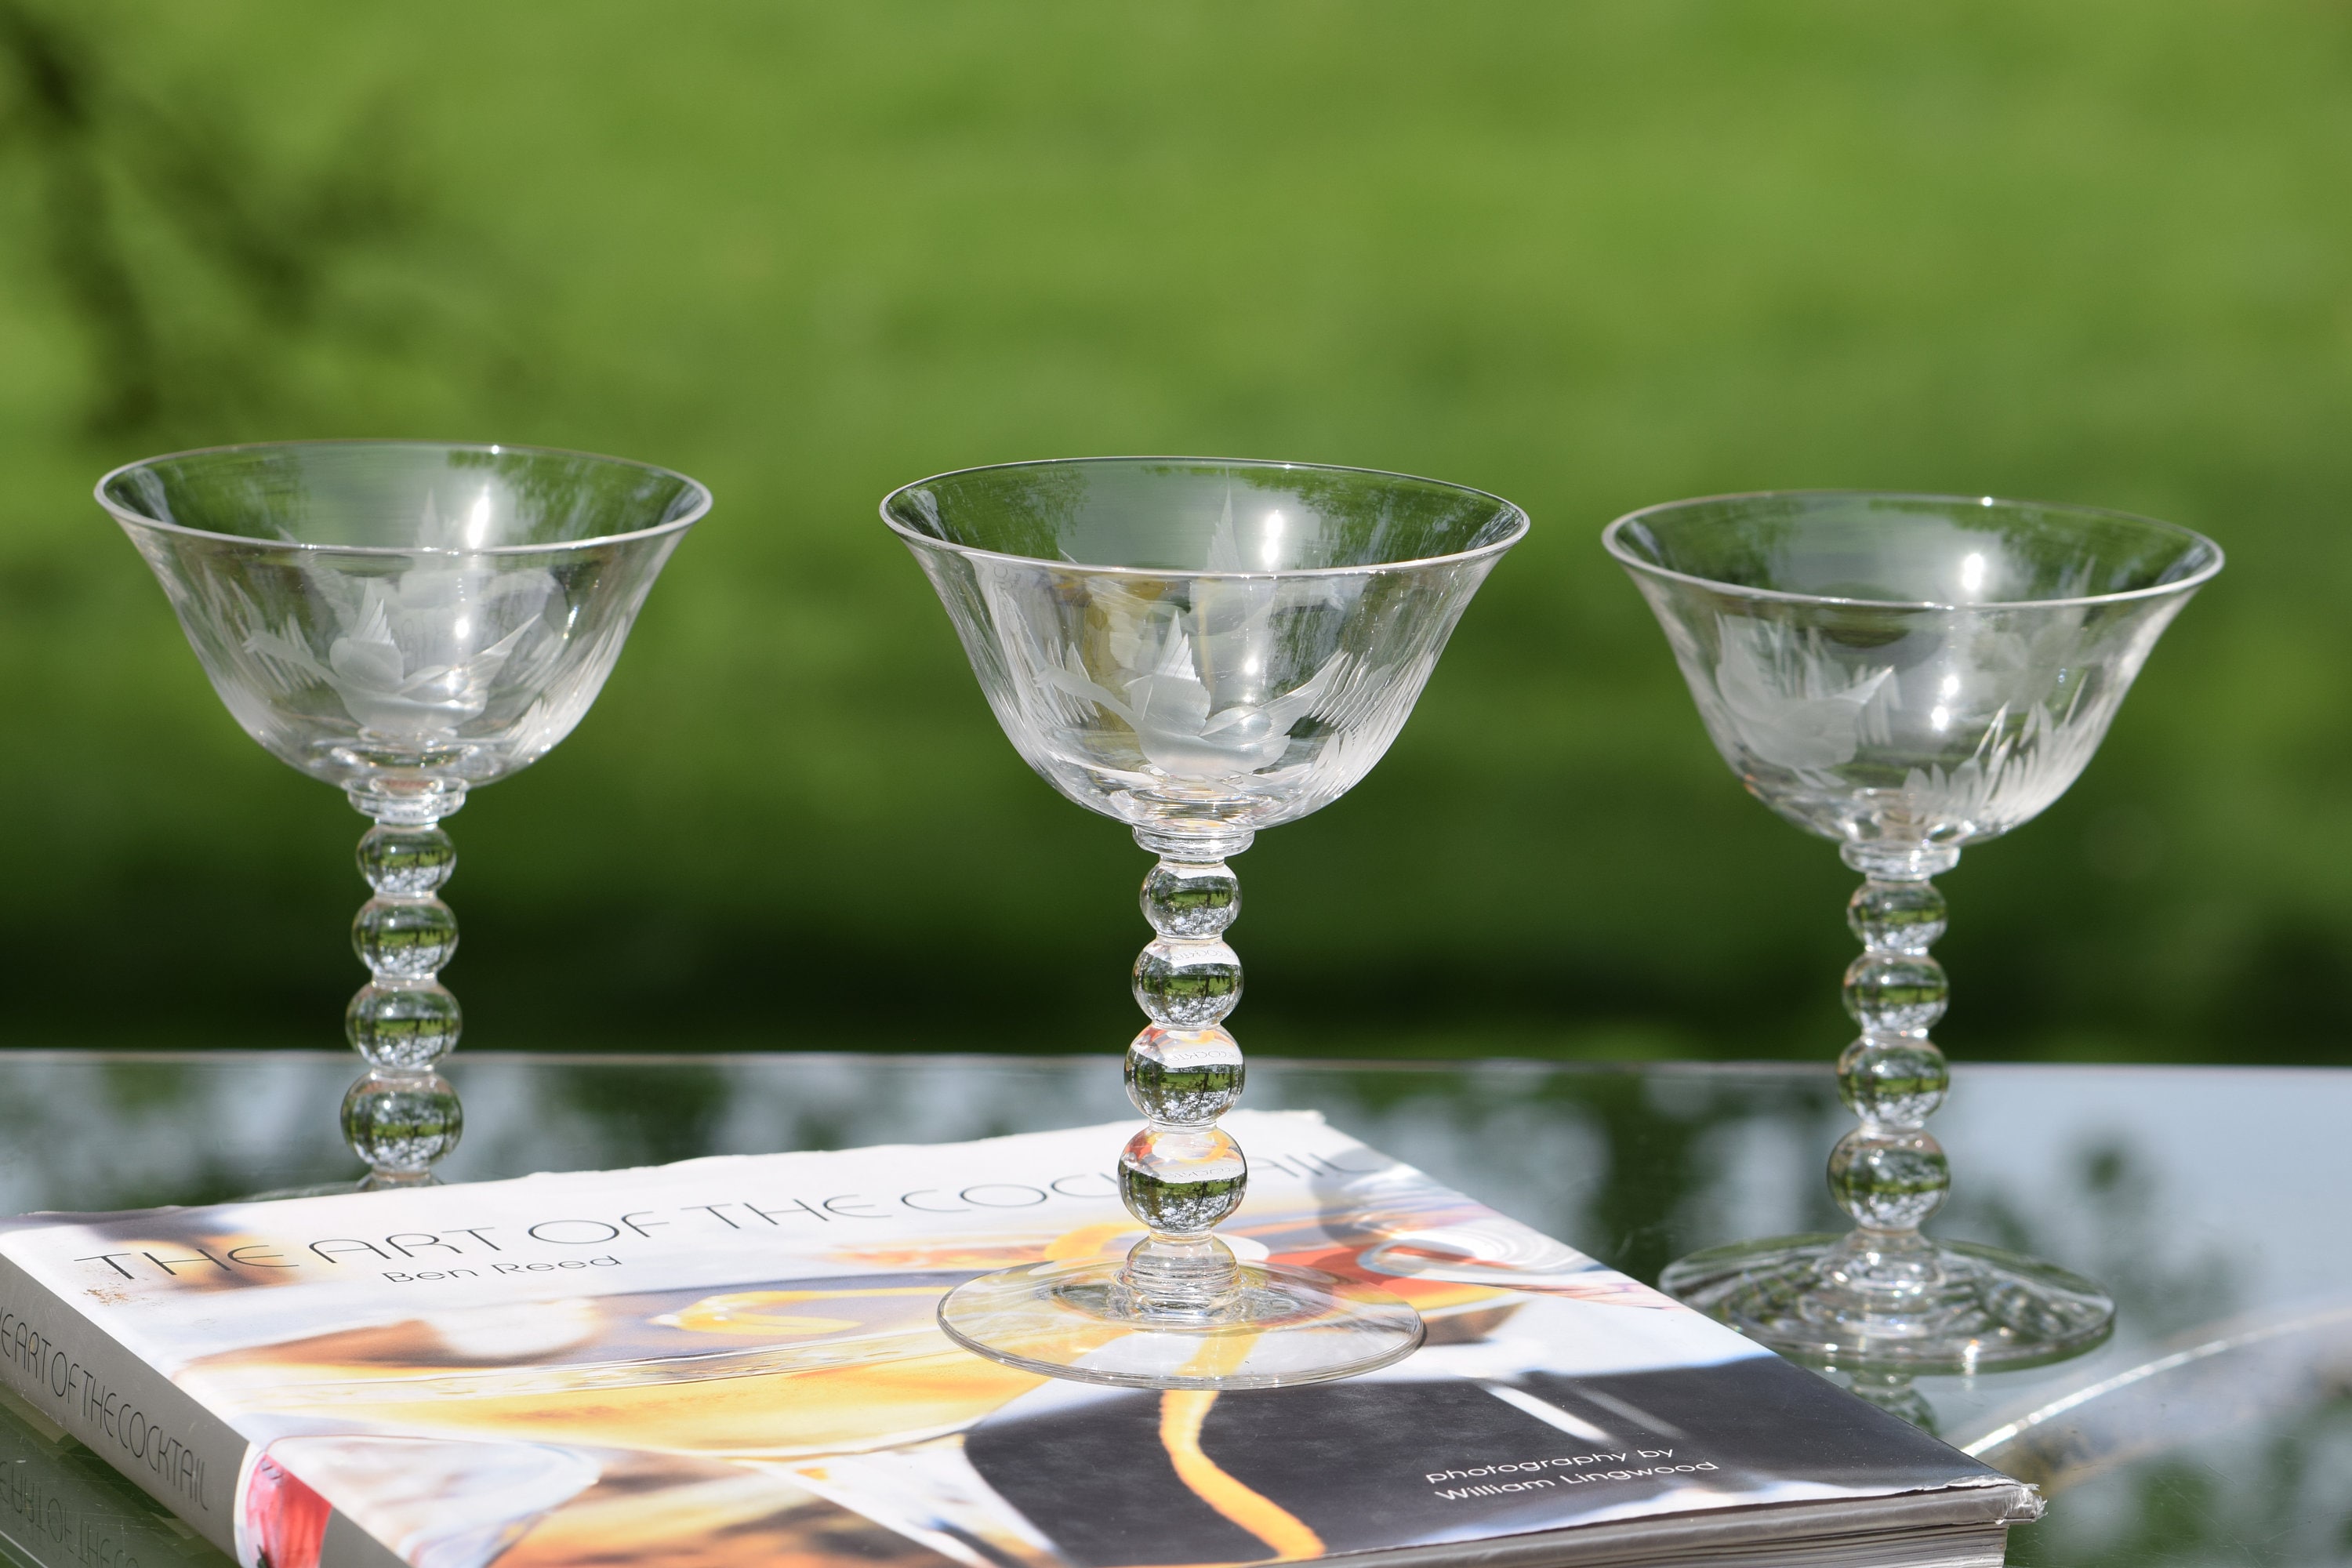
(735, 1360)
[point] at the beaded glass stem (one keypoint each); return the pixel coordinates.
(1181, 1176)
(1905, 675)
(1200, 648)
(403, 1115)
(1888, 1173)
(407, 621)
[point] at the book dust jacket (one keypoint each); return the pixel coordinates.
(734, 1361)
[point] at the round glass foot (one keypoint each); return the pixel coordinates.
(1080, 1320)
(315, 1190)
(1930, 1307)
(375, 1181)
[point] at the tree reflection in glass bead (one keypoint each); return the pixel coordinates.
(1896, 1081)
(1188, 984)
(1897, 917)
(1182, 1181)
(406, 862)
(1191, 902)
(406, 1024)
(401, 1123)
(1888, 1179)
(1895, 992)
(1184, 1077)
(405, 938)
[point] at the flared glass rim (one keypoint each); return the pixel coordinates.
(1519, 521)
(124, 515)
(1610, 540)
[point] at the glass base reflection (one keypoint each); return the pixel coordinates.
(1941, 1307)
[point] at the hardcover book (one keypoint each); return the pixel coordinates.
(735, 1360)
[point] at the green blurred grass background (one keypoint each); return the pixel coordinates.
(1589, 256)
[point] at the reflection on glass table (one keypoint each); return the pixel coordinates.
(2214, 1427)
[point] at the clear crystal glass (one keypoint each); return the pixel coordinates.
(405, 620)
(1905, 675)
(1199, 648)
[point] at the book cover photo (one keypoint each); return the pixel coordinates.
(735, 1360)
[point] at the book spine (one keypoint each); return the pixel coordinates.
(60, 1505)
(122, 1409)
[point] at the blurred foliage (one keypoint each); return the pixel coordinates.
(1587, 257)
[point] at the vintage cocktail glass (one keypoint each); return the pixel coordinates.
(1199, 648)
(1906, 675)
(406, 621)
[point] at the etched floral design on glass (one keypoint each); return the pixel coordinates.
(1907, 676)
(407, 621)
(1199, 648)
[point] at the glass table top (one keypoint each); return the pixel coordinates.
(2214, 1427)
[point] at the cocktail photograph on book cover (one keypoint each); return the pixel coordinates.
(736, 1360)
